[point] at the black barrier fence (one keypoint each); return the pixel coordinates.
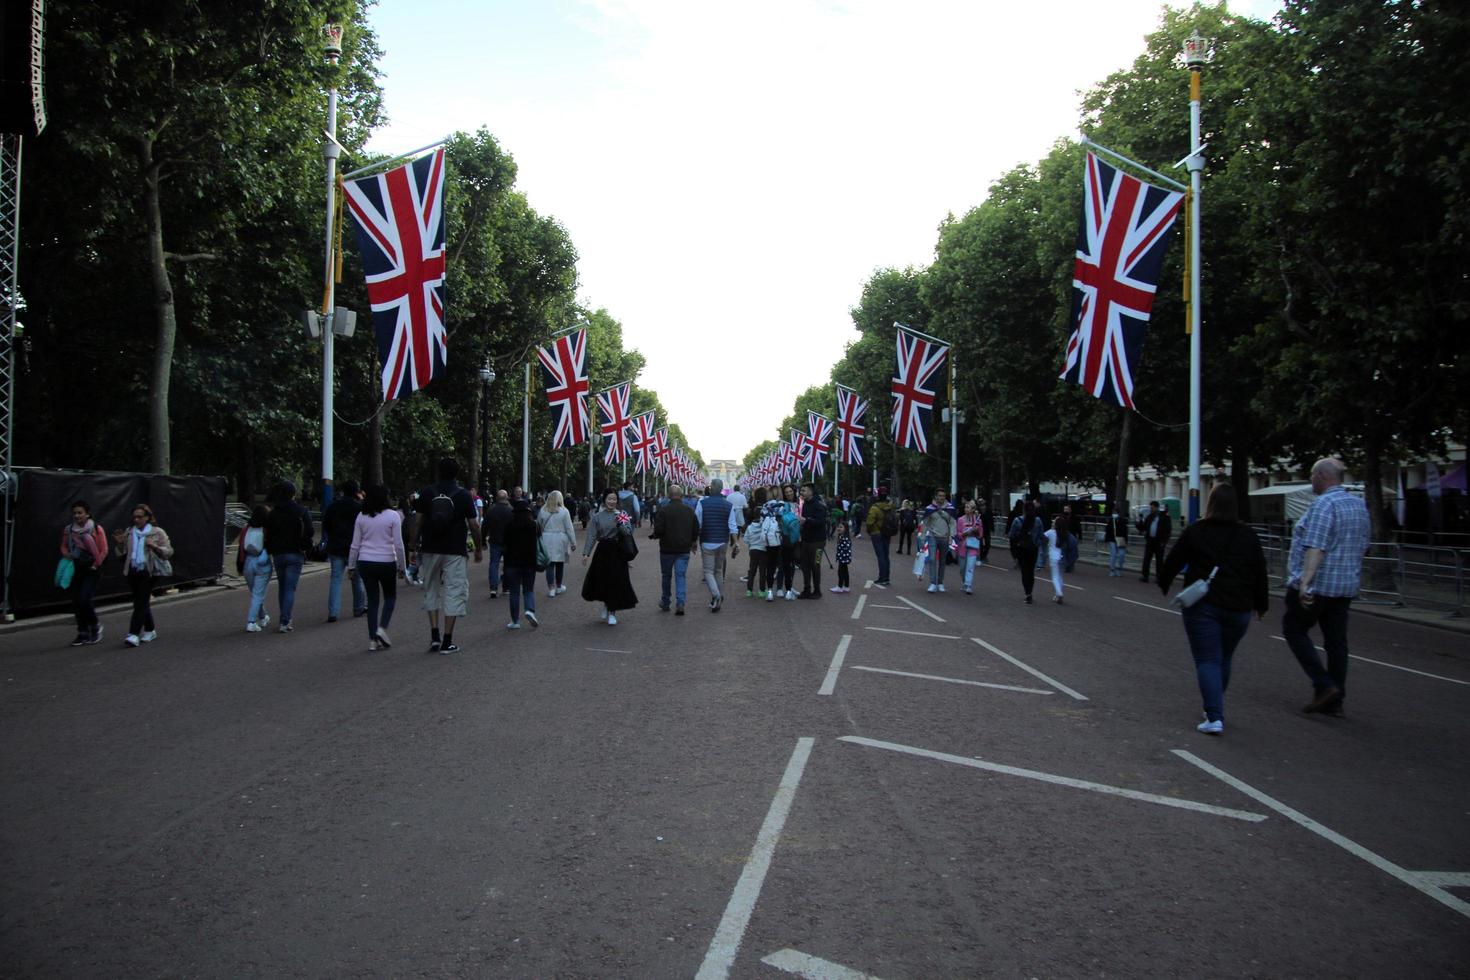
(191, 509)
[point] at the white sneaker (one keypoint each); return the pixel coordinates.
(131, 639)
(560, 589)
(252, 627)
(265, 620)
(790, 595)
(941, 588)
(149, 636)
(530, 615)
(603, 614)
(932, 588)
(836, 588)
(770, 595)
(383, 638)
(512, 626)
(612, 619)
(1211, 727)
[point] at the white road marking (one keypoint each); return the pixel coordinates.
(955, 680)
(1030, 670)
(1148, 606)
(858, 609)
(726, 942)
(868, 584)
(604, 650)
(937, 636)
(1444, 879)
(915, 605)
(1366, 660)
(879, 605)
(812, 968)
(1046, 777)
(831, 680)
(1413, 879)
(1077, 587)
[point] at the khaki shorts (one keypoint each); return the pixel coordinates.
(446, 584)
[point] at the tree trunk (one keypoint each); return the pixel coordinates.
(1125, 462)
(163, 300)
(375, 442)
(1240, 478)
(245, 484)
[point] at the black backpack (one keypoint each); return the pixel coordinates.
(441, 515)
(890, 523)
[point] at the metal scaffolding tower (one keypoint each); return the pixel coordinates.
(10, 336)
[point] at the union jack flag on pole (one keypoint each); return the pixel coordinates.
(1120, 249)
(919, 357)
(613, 406)
(641, 441)
(564, 368)
(819, 431)
(398, 220)
(850, 428)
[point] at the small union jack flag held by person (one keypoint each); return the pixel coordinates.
(398, 220)
(1120, 249)
(850, 428)
(564, 368)
(913, 399)
(613, 406)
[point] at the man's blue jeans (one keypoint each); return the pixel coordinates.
(676, 565)
(496, 554)
(1213, 635)
(288, 573)
(334, 595)
(938, 556)
(880, 550)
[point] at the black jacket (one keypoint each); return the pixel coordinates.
(1241, 584)
(497, 519)
(521, 533)
(676, 528)
(1166, 527)
(338, 523)
(289, 528)
(814, 522)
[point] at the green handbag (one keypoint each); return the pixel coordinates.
(542, 559)
(65, 569)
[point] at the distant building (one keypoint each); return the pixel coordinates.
(725, 470)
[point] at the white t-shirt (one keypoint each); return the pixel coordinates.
(1053, 551)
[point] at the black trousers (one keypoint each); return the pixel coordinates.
(842, 579)
(141, 585)
(811, 568)
(787, 581)
(1027, 559)
(83, 588)
(1153, 549)
(905, 537)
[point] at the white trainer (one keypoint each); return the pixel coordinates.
(1211, 727)
(932, 588)
(612, 619)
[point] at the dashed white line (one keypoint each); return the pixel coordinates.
(915, 605)
(811, 967)
(937, 636)
(955, 680)
(1146, 605)
(830, 681)
(858, 609)
(1410, 670)
(1046, 777)
(1030, 670)
(726, 942)
(604, 650)
(1413, 879)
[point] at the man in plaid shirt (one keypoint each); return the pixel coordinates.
(1327, 549)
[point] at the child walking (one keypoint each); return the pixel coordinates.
(844, 558)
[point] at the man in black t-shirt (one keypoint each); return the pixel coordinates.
(445, 519)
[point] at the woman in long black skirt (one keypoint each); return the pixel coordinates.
(606, 580)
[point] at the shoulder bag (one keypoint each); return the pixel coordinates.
(1199, 588)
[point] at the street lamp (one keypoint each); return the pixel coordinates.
(1196, 55)
(487, 378)
(873, 455)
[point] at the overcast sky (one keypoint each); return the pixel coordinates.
(731, 174)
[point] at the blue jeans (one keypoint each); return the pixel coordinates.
(1330, 613)
(1213, 635)
(555, 571)
(938, 558)
(880, 551)
(1117, 553)
(520, 582)
(676, 565)
(288, 573)
(334, 596)
(970, 561)
(258, 577)
(497, 553)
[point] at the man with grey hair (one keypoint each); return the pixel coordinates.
(1322, 576)
(719, 526)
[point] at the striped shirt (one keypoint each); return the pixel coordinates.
(1336, 523)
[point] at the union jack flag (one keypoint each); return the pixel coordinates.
(789, 461)
(398, 220)
(820, 430)
(802, 444)
(850, 428)
(613, 406)
(662, 451)
(1120, 249)
(641, 441)
(564, 368)
(913, 403)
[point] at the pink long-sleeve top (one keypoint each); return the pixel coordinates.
(378, 538)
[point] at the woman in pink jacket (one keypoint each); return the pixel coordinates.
(377, 556)
(85, 543)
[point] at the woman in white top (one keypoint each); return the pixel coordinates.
(1054, 539)
(558, 537)
(377, 555)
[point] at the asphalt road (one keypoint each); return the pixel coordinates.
(974, 788)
